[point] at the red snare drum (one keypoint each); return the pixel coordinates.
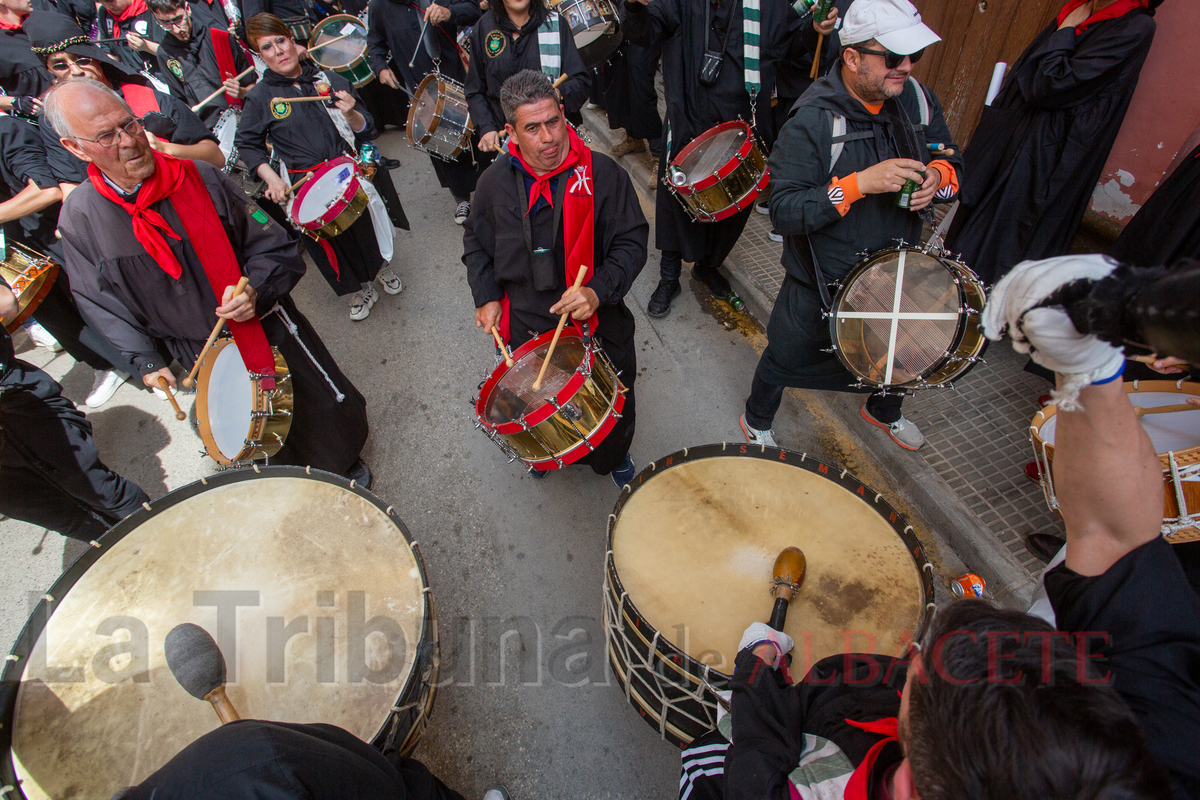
(720, 172)
(331, 200)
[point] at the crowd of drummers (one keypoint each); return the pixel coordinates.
(173, 167)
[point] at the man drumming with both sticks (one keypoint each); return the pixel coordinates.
(154, 244)
(401, 32)
(521, 287)
(831, 215)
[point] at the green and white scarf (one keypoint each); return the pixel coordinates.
(550, 46)
(750, 37)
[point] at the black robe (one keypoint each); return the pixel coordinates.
(69, 169)
(499, 263)
(395, 26)
(212, 14)
(304, 137)
(693, 108)
(1040, 148)
(626, 85)
(190, 69)
(143, 24)
(123, 292)
(21, 72)
(490, 68)
(1167, 228)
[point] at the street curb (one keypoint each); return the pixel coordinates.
(947, 519)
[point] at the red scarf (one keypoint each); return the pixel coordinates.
(223, 50)
(134, 9)
(179, 180)
(579, 217)
(9, 26)
(857, 786)
(1117, 9)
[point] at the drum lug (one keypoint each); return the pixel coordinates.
(832, 349)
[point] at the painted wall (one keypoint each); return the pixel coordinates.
(1162, 118)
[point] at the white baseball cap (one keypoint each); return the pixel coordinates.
(895, 24)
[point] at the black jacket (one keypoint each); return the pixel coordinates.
(392, 39)
(190, 69)
(21, 72)
(22, 159)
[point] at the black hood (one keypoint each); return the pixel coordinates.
(51, 33)
(831, 93)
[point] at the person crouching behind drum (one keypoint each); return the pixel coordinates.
(305, 136)
(520, 284)
(171, 238)
(836, 216)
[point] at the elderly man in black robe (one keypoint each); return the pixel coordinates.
(1034, 160)
(141, 270)
(526, 190)
(694, 106)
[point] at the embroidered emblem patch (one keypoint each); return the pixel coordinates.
(281, 110)
(258, 215)
(494, 43)
(175, 67)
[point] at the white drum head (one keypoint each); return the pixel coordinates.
(323, 191)
(226, 130)
(230, 401)
(1167, 432)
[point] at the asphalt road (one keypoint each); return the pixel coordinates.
(515, 565)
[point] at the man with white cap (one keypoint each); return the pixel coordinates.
(833, 197)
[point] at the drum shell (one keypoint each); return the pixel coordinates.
(358, 71)
(451, 128)
(270, 417)
(341, 213)
(969, 342)
(732, 188)
(30, 275)
(582, 17)
(549, 439)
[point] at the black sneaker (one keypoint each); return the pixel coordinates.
(660, 302)
(775, 236)
(538, 474)
(388, 163)
(360, 473)
(763, 207)
(624, 472)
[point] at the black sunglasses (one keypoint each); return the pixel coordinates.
(65, 66)
(891, 60)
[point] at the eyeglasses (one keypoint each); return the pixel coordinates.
(891, 60)
(65, 65)
(173, 22)
(110, 138)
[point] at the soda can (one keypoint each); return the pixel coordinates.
(368, 153)
(969, 585)
(904, 196)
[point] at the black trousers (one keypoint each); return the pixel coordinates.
(50, 472)
(459, 176)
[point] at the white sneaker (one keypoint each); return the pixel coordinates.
(361, 302)
(104, 386)
(903, 432)
(462, 211)
(390, 281)
(754, 436)
(42, 338)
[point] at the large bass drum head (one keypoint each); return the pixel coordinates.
(311, 588)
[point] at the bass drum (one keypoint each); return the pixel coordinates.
(334, 623)
(691, 546)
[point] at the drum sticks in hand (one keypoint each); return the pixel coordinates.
(190, 380)
(220, 91)
(537, 385)
(166, 387)
(508, 361)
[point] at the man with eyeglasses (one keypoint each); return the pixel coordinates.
(198, 59)
(23, 77)
(67, 53)
(154, 246)
(832, 204)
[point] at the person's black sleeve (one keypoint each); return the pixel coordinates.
(477, 87)
(188, 127)
(252, 7)
(464, 13)
(799, 166)
(479, 247)
(646, 25)
(626, 233)
(576, 88)
(24, 157)
(251, 137)
(765, 748)
(378, 51)
(65, 167)
(1064, 74)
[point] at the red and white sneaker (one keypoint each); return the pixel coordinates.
(903, 432)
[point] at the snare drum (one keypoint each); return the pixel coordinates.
(348, 55)
(226, 132)
(239, 420)
(329, 202)
(720, 172)
(908, 318)
(30, 275)
(595, 26)
(579, 403)
(334, 624)
(691, 546)
(1176, 439)
(439, 121)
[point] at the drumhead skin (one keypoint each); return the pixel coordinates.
(322, 189)
(230, 401)
(328, 587)
(351, 44)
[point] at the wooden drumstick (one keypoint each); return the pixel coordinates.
(331, 41)
(560, 80)
(816, 67)
(190, 380)
(1141, 412)
(220, 91)
(537, 385)
(420, 41)
(500, 343)
(294, 186)
(290, 100)
(166, 387)
(786, 578)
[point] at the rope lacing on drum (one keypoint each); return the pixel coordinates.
(1174, 525)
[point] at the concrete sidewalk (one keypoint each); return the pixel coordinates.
(967, 484)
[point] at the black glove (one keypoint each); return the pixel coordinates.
(23, 106)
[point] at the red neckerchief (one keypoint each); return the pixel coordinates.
(179, 181)
(579, 218)
(8, 26)
(1117, 9)
(134, 9)
(859, 783)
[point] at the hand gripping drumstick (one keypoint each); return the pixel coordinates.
(220, 91)
(166, 387)
(537, 385)
(788, 575)
(500, 343)
(197, 663)
(290, 100)
(190, 380)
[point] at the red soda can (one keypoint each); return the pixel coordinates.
(969, 585)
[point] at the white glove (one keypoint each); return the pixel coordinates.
(760, 632)
(1047, 334)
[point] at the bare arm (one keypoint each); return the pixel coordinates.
(29, 200)
(204, 150)
(8, 301)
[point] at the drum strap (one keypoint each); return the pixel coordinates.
(750, 36)
(550, 46)
(223, 50)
